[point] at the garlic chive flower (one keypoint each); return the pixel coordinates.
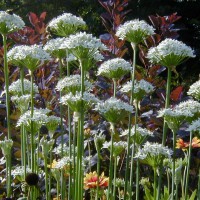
(99, 140)
(170, 53)
(46, 146)
(56, 47)
(114, 109)
(66, 24)
(10, 23)
(63, 163)
(75, 101)
(134, 31)
(194, 126)
(139, 136)
(52, 123)
(39, 118)
(195, 90)
(18, 172)
(16, 89)
(65, 149)
(84, 46)
(141, 88)
(118, 147)
(28, 56)
(72, 84)
(22, 102)
(6, 146)
(114, 68)
(153, 154)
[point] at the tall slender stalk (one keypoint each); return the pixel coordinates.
(109, 195)
(114, 87)
(127, 173)
(198, 190)
(6, 77)
(46, 178)
(98, 171)
(155, 183)
(188, 166)
(114, 180)
(50, 173)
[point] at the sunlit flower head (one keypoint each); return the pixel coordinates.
(134, 31)
(114, 110)
(72, 84)
(114, 68)
(28, 56)
(141, 88)
(138, 136)
(181, 144)
(64, 149)
(170, 53)
(46, 145)
(75, 101)
(153, 154)
(18, 172)
(194, 126)
(6, 146)
(10, 23)
(84, 46)
(195, 90)
(118, 147)
(66, 24)
(56, 47)
(91, 181)
(16, 88)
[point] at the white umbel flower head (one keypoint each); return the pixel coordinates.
(195, 90)
(46, 145)
(63, 163)
(170, 53)
(75, 101)
(114, 68)
(10, 23)
(153, 154)
(56, 47)
(118, 147)
(114, 109)
(52, 123)
(141, 88)
(194, 126)
(84, 46)
(28, 56)
(138, 134)
(6, 146)
(66, 24)
(135, 31)
(72, 84)
(18, 172)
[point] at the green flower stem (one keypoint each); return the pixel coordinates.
(98, 172)
(176, 197)
(155, 183)
(58, 189)
(74, 160)
(160, 181)
(114, 87)
(165, 127)
(50, 173)
(62, 131)
(46, 178)
(109, 194)
(134, 46)
(114, 180)
(198, 190)
(137, 180)
(173, 163)
(188, 166)
(6, 77)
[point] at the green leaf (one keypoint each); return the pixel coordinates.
(193, 195)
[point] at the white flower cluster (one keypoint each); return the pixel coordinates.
(114, 68)
(6, 146)
(72, 84)
(63, 162)
(140, 130)
(66, 24)
(153, 150)
(75, 101)
(118, 147)
(71, 58)
(19, 171)
(194, 126)
(57, 150)
(134, 31)
(113, 104)
(16, 89)
(46, 145)
(10, 23)
(141, 88)
(174, 112)
(52, 123)
(55, 45)
(27, 56)
(86, 41)
(195, 90)
(170, 53)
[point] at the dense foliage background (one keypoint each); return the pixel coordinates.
(91, 10)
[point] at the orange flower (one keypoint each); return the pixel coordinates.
(180, 144)
(91, 180)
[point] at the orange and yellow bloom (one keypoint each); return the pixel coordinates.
(181, 144)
